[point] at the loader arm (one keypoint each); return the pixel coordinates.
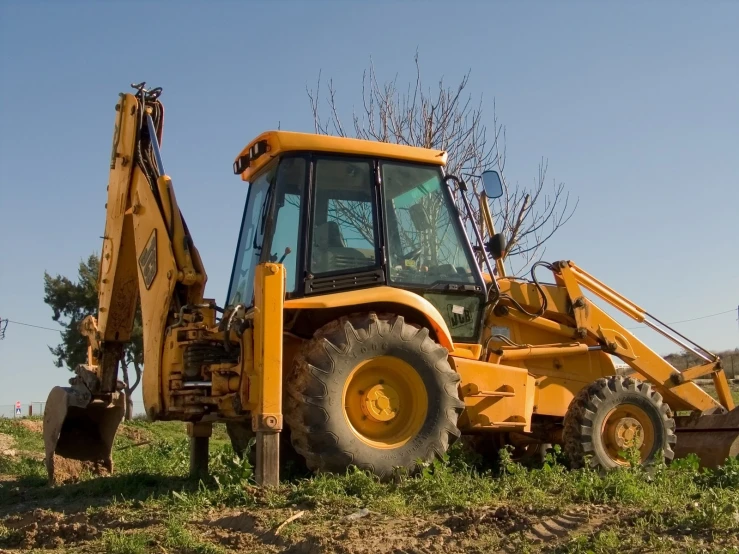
(704, 426)
(147, 256)
(573, 316)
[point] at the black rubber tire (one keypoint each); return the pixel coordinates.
(314, 407)
(589, 408)
(292, 464)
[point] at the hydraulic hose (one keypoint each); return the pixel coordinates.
(539, 288)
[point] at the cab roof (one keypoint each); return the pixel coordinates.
(271, 144)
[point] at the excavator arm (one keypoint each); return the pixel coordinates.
(148, 253)
(147, 256)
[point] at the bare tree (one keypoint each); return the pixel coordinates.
(445, 118)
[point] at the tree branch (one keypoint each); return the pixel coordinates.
(446, 118)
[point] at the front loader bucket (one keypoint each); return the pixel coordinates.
(713, 438)
(81, 427)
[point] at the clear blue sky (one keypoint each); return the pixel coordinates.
(635, 104)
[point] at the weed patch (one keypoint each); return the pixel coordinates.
(117, 542)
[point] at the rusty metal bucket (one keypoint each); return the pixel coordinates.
(80, 426)
(712, 438)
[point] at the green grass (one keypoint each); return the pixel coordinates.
(174, 430)
(117, 542)
(26, 444)
(24, 438)
(179, 538)
(670, 508)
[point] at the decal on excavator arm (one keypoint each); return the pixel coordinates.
(148, 260)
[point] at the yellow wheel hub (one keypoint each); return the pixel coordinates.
(385, 402)
(625, 427)
(629, 432)
(381, 403)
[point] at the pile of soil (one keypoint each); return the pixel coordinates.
(33, 425)
(134, 433)
(6, 445)
(68, 471)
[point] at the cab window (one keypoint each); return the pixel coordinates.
(285, 247)
(344, 228)
(249, 250)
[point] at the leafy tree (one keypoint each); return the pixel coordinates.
(71, 303)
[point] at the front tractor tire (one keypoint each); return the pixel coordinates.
(372, 391)
(612, 415)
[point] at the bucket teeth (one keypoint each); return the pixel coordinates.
(81, 426)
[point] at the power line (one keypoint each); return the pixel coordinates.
(687, 320)
(34, 326)
(6, 321)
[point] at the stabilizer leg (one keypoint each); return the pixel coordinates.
(268, 458)
(199, 434)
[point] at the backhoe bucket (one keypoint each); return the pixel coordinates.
(82, 427)
(713, 438)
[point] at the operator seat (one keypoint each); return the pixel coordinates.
(328, 235)
(330, 251)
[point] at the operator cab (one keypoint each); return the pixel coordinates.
(344, 214)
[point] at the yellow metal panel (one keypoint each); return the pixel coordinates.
(247, 370)
(722, 390)
(269, 294)
(560, 375)
(528, 295)
(190, 270)
(543, 324)
(496, 396)
(604, 292)
(555, 393)
(156, 261)
(117, 283)
(469, 351)
(698, 371)
(288, 141)
(356, 298)
(543, 351)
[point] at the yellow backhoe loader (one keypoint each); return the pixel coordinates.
(360, 309)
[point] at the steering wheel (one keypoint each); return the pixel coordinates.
(413, 254)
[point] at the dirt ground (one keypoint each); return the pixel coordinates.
(149, 505)
(476, 530)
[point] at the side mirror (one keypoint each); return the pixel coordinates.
(491, 184)
(496, 245)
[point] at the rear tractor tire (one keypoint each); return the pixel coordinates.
(613, 415)
(375, 392)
